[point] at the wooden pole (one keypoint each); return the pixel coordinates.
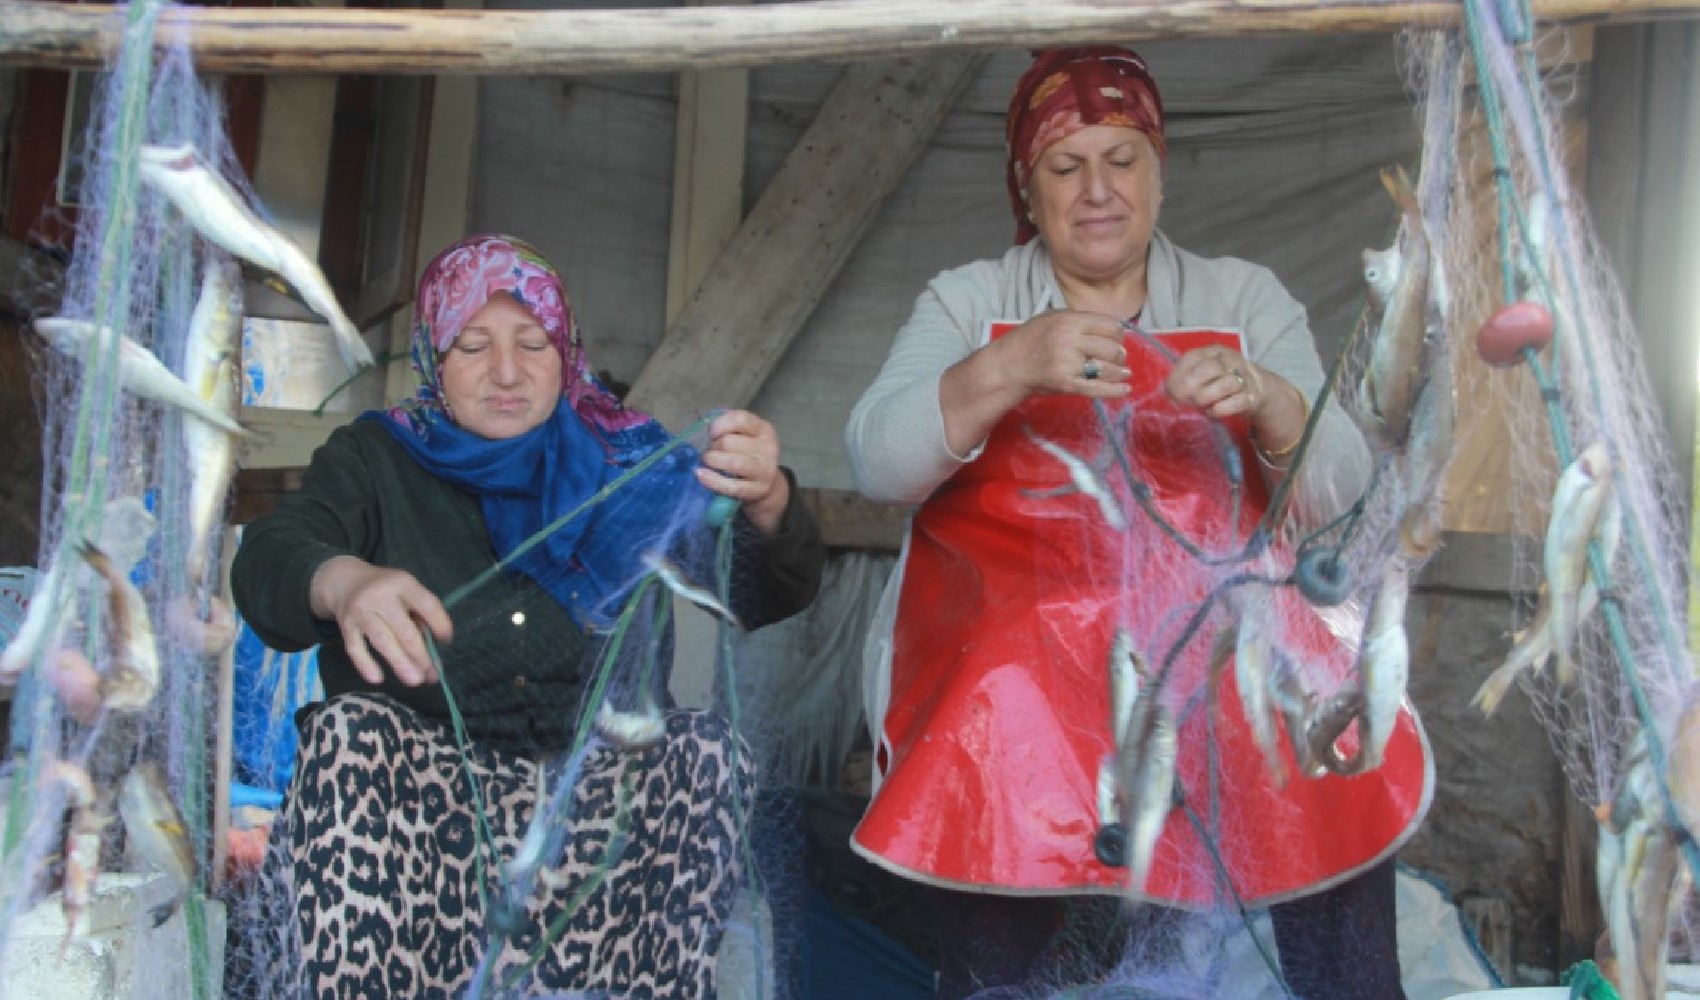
(318, 40)
(783, 258)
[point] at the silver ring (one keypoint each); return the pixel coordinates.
(1238, 376)
(1089, 371)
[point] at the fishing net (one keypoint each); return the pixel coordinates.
(123, 480)
(1503, 223)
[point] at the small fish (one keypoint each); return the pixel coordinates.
(1323, 727)
(220, 215)
(1086, 481)
(1108, 811)
(82, 870)
(82, 843)
(134, 677)
(1584, 508)
(1683, 766)
(1641, 876)
(1254, 654)
(209, 369)
(126, 528)
(1146, 792)
(1126, 670)
(676, 581)
(1297, 705)
(1398, 284)
(43, 625)
(1384, 663)
(1422, 468)
(139, 370)
(631, 730)
(158, 833)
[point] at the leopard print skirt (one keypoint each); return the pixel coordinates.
(381, 835)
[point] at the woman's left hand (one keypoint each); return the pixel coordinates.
(1223, 382)
(742, 461)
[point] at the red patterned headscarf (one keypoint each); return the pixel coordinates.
(1066, 90)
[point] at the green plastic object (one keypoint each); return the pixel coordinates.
(720, 510)
(1586, 982)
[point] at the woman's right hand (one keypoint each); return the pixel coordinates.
(1050, 354)
(1065, 352)
(380, 610)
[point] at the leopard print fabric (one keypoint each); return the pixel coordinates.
(381, 833)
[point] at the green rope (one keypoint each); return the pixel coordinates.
(723, 584)
(593, 882)
(1616, 627)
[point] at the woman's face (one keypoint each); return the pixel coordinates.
(1094, 199)
(501, 377)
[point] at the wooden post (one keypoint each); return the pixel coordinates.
(316, 40)
(797, 238)
(708, 175)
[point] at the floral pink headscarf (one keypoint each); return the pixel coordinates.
(460, 280)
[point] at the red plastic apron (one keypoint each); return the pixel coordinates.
(998, 713)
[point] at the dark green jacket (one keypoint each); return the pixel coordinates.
(518, 661)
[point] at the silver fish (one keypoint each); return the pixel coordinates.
(1086, 481)
(158, 833)
(1422, 468)
(134, 676)
(1683, 766)
(1145, 791)
(139, 370)
(1253, 665)
(1398, 284)
(1584, 508)
(82, 844)
(1126, 670)
(675, 579)
(220, 215)
(1384, 663)
(1642, 880)
(631, 730)
(209, 369)
(42, 627)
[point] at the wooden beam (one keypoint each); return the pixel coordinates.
(787, 252)
(849, 521)
(708, 175)
(314, 40)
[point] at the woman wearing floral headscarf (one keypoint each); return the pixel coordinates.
(1035, 569)
(509, 432)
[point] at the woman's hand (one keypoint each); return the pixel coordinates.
(742, 461)
(1223, 382)
(1064, 352)
(380, 610)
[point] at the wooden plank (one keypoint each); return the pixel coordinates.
(313, 40)
(848, 521)
(708, 175)
(450, 141)
(787, 252)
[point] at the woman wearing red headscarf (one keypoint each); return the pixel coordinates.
(1093, 425)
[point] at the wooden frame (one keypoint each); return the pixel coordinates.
(314, 40)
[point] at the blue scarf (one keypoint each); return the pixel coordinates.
(527, 482)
